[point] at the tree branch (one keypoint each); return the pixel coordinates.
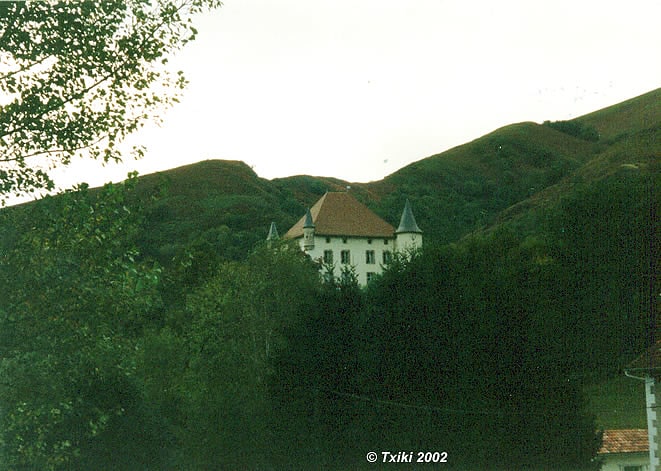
(54, 151)
(81, 93)
(25, 67)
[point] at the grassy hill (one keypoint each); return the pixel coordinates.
(506, 172)
(631, 116)
(509, 176)
(525, 178)
(545, 185)
(220, 203)
(464, 188)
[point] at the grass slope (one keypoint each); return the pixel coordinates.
(463, 189)
(630, 116)
(632, 159)
(515, 172)
(221, 203)
(515, 176)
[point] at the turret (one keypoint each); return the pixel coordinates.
(308, 232)
(408, 235)
(273, 234)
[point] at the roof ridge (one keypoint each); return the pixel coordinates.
(339, 213)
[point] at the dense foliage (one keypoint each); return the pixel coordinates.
(144, 326)
(75, 301)
(477, 349)
(157, 334)
(77, 77)
(575, 128)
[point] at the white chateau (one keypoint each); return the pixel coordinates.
(339, 231)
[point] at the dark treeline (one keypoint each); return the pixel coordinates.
(477, 349)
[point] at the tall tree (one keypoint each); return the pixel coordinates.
(235, 325)
(74, 300)
(78, 77)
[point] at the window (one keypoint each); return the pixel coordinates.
(387, 257)
(369, 241)
(328, 256)
(344, 240)
(328, 240)
(370, 276)
(385, 241)
(369, 257)
(345, 257)
(632, 468)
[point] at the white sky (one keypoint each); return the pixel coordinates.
(356, 89)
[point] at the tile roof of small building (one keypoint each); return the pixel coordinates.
(648, 361)
(341, 214)
(624, 441)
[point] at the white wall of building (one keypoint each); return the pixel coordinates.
(618, 461)
(358, 248)
(652, 428)
(408, 241)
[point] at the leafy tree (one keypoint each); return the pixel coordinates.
(313, 378)
(463, 348)
(75, 298)
(77, 77)
(575, 128)
(235, 326)
(604, 245)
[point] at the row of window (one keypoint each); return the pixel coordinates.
(345, 257)
(344, 241)
(370, 276)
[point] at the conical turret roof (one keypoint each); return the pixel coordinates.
(308, 220)
(273, 233)
(407, 223)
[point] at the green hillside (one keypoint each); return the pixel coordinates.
(633, 162)
(150, 317)
(468, 187)
(629, 117)
(514, 176)
(464, 188)
(220, 203)
(225, 207)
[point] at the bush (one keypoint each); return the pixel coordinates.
(576, 129)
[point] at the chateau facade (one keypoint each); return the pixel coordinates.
(340, 232)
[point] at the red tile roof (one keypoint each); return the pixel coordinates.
(340, 214)
(625, 441)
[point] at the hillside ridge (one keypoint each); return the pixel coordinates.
(495, 179)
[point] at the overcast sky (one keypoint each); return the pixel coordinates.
(356, 89)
